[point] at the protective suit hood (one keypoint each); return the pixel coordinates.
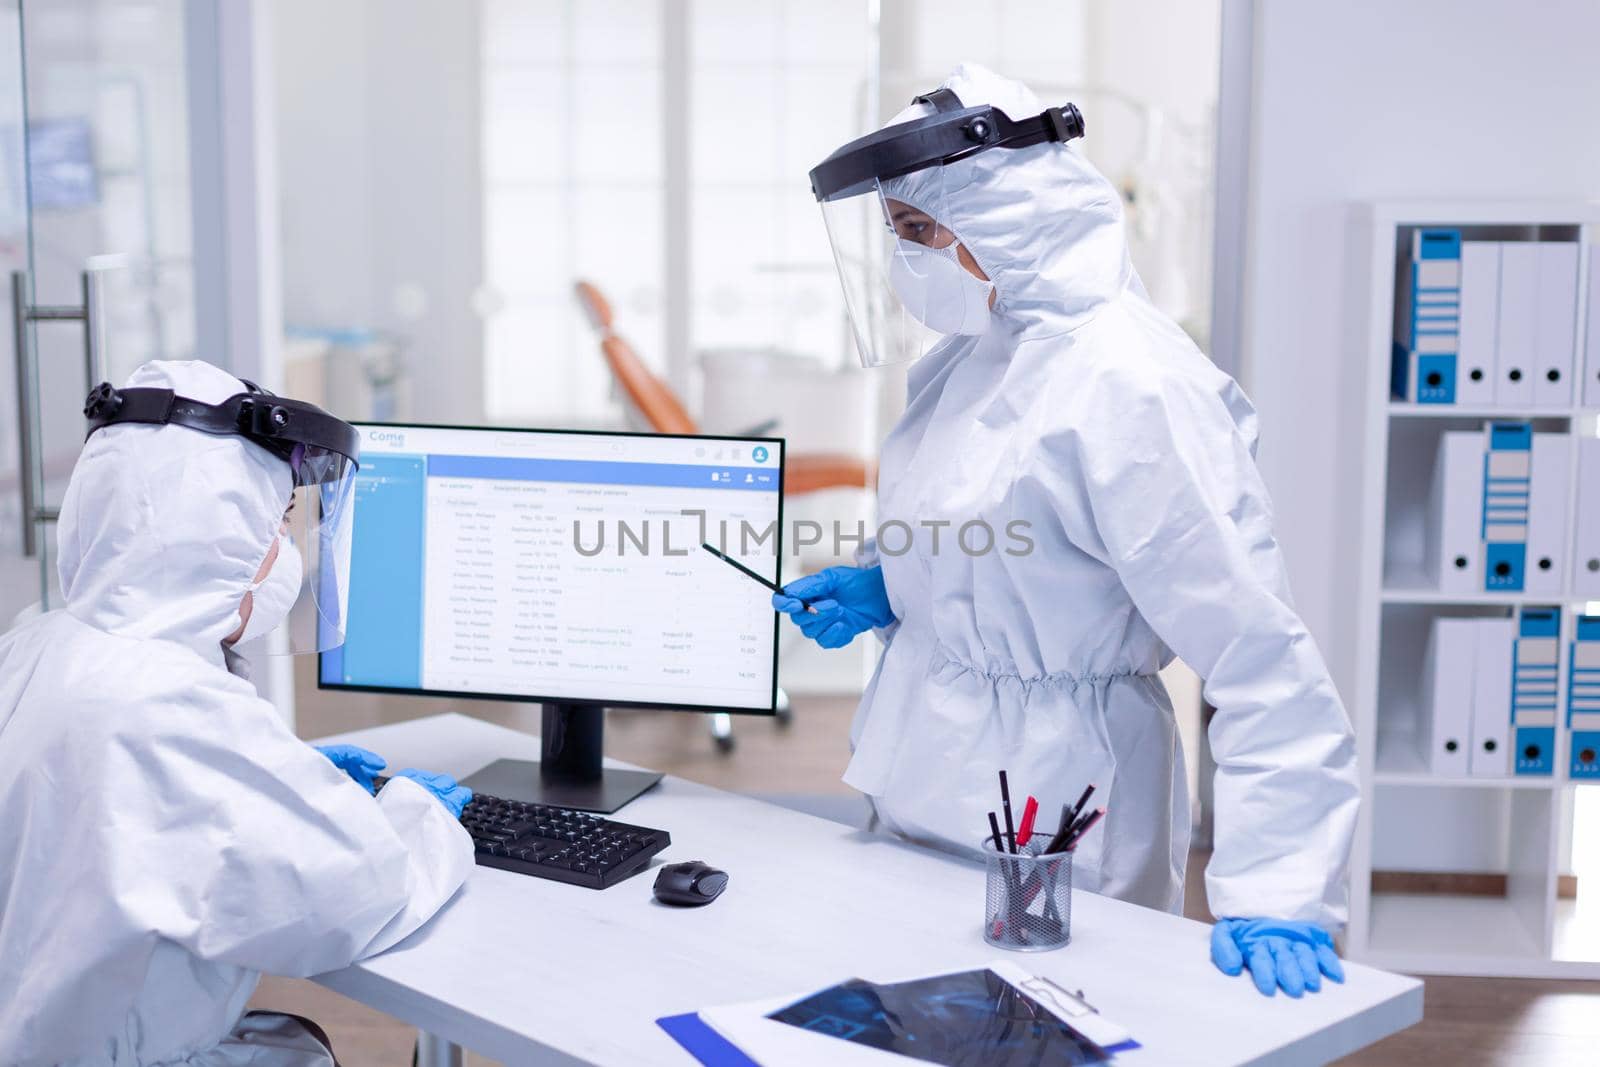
(163, 527)
(1042, 222)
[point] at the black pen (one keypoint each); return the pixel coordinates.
(1077, 809)
(748, 573)
(1005, 806)
(1069, 820)
(1087, 823)
(1060, 837)
(1009, 874)
(1073, 830)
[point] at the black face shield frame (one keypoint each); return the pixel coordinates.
(951, 133)
(303, 435)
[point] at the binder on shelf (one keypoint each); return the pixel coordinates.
(1491, 697)
(1507, 481)
(1535, 679)
(1586, 527)
(1583, 700)
(1555, 322)
(1479, 321)
(1591, 359)
(1445, 726)
(1547, 514)
(1516, 331)
(1427, 319)
(1453, 549)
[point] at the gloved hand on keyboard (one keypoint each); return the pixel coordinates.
(358, 763)
(1292, 956)
(452, 796)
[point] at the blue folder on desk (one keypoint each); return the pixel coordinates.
(702, 1042)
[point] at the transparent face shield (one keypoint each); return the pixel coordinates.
(318, 525)
(908, 283)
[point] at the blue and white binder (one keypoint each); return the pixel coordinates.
(1445, 726)
(1549, 521)
(1555, 323)
(1534, 680)
(1480, 323)
(1591, 346)
(1517, 332)
(1586, 530)
(1428, 319)
(1583, 700)
(1453, 549)
(1492, 683)
(1507, 495)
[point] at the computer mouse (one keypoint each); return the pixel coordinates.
(689, 884)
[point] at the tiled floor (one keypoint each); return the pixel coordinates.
(1469, 1022)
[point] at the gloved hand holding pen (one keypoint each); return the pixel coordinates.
(832, 606)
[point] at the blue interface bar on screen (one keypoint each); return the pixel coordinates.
(604, 472)
(383, 626)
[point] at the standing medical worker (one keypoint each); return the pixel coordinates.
(166, 837)
(1069, 499)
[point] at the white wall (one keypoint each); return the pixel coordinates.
(1372, 99)
(1163, 55)
(1157, 50)
(380, 176)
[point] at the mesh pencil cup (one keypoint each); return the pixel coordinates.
(1028, 898)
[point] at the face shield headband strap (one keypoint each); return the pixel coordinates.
(286, 428)
(951, 133)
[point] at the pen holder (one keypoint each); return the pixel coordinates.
(1028, 898)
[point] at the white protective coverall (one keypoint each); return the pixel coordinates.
(166, 836)
(1085, 412)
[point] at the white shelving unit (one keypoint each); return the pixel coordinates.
(1411, 820)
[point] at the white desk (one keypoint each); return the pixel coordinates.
(527, 970)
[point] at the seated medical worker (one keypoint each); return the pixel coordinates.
(166, 836)
(1112, 466)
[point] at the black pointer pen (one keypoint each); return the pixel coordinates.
(748, 573)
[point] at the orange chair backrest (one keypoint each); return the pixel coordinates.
(653, 397)
(595, 306)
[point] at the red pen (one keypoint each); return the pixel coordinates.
(1030, 811)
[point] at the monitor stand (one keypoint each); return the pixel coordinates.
(569, 773)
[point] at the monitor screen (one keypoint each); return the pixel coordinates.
(563, 566)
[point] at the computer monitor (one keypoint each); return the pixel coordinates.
(563, 567)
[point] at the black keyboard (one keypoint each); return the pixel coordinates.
(563, 844)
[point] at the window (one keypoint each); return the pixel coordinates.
(575, 185)
(583, 163)
(572, 189)
(775, 88)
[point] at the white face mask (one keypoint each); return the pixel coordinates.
(934, 287)
(273, 596)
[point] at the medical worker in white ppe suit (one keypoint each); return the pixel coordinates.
(1049, 391)
(166, 838)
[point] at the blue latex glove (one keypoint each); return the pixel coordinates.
(848, 601)
(1288, 955)
(453, 796)
(358, 763)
